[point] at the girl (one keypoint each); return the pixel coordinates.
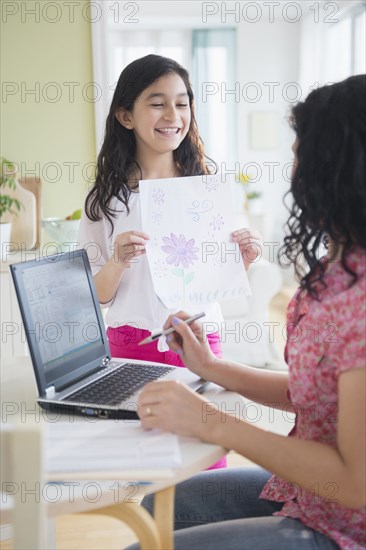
(315, 498)
(151, 133)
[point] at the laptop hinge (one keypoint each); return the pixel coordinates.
(105, 361)
(50, 392)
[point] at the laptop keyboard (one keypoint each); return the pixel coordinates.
(119, 385)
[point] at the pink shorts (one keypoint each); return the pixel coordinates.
(123, 342)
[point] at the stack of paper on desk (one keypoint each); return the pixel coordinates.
(109, 449)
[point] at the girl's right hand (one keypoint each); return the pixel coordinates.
(190, 343)
(128, 246)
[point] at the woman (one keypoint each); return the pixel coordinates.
(309, 489)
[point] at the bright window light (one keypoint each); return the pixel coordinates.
(360, 44)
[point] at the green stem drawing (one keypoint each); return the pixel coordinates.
(186, 279)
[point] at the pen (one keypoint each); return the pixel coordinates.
(157, 335)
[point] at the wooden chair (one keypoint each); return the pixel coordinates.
(21, 483)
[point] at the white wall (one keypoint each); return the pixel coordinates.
(268, 57)
(47, 119)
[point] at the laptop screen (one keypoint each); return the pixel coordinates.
(62, 318)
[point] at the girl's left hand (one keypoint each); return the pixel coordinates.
(250, 242)
(173, 407)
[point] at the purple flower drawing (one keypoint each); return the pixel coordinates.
(179, 250)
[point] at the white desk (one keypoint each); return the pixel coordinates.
(18, 394)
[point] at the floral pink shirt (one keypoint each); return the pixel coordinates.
(324, 339)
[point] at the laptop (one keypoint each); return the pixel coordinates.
(68, 345)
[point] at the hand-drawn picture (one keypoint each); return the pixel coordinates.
(217, 222)
(197, 209)
(158, 196)
(212, 184)
(179, 215)
(157, 216)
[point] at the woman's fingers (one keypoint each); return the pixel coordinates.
(153, 396)
(179, 314)
(196, 327)
(189, 333)
(195, 332)
(171, 406)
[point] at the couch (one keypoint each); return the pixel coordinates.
(246, 334)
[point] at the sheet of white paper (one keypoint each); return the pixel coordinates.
(191, 256)
(107, 445)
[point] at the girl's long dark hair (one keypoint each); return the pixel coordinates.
(116, 161)
(329, 183)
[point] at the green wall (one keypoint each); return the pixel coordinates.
(49, 131)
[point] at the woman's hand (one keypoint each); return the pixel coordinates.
(173, 407)
(190, 343)
(128, 246)
(250, 243)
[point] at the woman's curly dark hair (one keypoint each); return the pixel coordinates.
(328, 184)
(116, 161)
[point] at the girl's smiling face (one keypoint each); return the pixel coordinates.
(160, 117)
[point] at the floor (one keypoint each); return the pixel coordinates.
(102, 533)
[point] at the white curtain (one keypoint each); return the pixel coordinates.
(331, 52)
(214, 80)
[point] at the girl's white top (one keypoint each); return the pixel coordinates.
(135, 302)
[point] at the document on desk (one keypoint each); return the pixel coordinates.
(108, 449)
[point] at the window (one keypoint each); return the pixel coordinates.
(338, 48)
(130, 45)
(214, 82)
(333, 51)
(359, 49)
